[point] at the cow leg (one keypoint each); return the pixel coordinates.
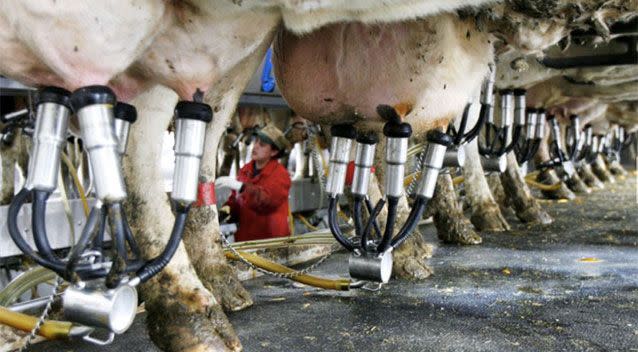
(183, 315)
(486, 214)
(525, 205)
(16, 153)
(451, 225)
(616, 168)
(589, 177)
(576, 184)
(203, 236)
(498, 192)
(601, 171)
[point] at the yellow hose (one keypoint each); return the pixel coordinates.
(76, 181)
(51, 329)
(328, 284)
(306, 222)
(542, 186)
(291, 222)
(458, 180)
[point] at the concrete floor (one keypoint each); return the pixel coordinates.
(569, 286)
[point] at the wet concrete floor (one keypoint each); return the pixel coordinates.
(568, 286)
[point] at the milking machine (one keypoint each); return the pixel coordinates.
(102, 277)
(560, 158)
(371, 250)
(618, 139)
(497, 139)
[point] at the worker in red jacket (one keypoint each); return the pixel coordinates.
(259, 201)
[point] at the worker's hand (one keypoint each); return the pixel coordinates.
(228, 182)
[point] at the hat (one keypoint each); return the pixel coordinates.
(273, 136)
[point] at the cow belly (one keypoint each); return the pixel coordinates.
(344, 71)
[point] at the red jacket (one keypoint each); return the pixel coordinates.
(262, 205)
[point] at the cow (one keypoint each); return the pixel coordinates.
(153, 54)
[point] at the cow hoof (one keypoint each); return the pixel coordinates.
(409, 259)
(411, 268)
(222, 281)
(617, 170)
(173, 326)
(489, 218)
(465, 236)
(562, 193)
(577, 185)
(534, 214)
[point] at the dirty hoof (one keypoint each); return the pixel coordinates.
(562, 193)
(590, 179)
(534, 214)
(411, 269)
(577, 185)
(409, 259)
(463, 237)
(227, 289)
(176, 327)
(617, 170)
(489, 218)
(603, 174)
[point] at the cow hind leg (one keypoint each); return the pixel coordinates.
(486, 214)
(601, 170)
(617, 169)
(588, 176)
(183, 315)
(577, 185)
(202, 236)
(525, 205)
(451, 225)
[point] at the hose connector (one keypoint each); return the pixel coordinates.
(371, 266)
(90, 305)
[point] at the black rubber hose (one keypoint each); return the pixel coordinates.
(484, 112)
(373, 217)
(389, 224)
(38, 225)
(158, 263)
(486, 148)
(88, 233)
(357, 216)
(334, 225)
(135, 249)
(515, 137)
(83, 271)
(458, 138)
(116, 225)
(521, 152)
(98, 241)
(413, 220)
(377, 229)
(532, 152)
